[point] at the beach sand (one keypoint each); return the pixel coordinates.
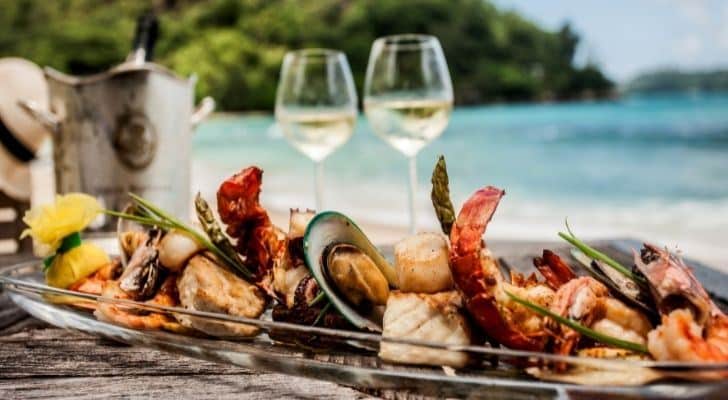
(389, 227)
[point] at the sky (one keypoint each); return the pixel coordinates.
(628, 37)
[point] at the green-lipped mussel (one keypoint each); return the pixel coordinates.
(348, 268)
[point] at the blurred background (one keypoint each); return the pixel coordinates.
(613, 114)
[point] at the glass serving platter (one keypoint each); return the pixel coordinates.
(350, 358)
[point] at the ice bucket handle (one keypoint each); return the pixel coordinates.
(203, 110)
(46, 118)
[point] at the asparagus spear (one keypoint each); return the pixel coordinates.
(216, 235)
(441, 196)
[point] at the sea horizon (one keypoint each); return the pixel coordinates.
(644, 167)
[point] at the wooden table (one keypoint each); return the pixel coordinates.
(40, 361)
(37, 360)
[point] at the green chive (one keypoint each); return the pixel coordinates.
(320, 296)
(598, 255)
(612, 341)
(322, 313)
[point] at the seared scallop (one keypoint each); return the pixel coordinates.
(206, 286)
(434, 318)
(421, 262)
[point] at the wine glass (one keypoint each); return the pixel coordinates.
(408, 97)
(316, 105)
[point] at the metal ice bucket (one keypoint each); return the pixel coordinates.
(125, 130)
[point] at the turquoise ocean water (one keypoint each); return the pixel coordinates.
(647, 167)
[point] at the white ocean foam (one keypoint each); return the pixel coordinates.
(374, 196)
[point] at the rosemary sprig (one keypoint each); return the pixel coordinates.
(595, 254)
(142, 220)
(155, 216)
(612, 341)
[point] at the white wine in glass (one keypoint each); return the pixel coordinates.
(316, 106)
(408, 97)
(409, 125)
(317, 134)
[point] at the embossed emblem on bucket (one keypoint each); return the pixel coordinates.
(135, 141)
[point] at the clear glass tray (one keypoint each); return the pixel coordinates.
(352, 358)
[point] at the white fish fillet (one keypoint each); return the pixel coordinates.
(205, 286)
(432, 317)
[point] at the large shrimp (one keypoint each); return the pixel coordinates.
(693, 328)
(588, 301)
(94, 283)
(261, 243)
(139, 319)
(477, 275)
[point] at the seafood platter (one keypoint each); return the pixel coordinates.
(438, 313)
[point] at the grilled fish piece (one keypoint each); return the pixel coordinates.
(207, 286)
(431, 317)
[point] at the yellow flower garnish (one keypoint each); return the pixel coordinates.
(56, 228)
(79, 262)
(50, 224)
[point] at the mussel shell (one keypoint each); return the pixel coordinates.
(141, 276)
(326, 230)
(123, 228)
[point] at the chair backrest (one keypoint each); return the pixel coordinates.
(11, 225)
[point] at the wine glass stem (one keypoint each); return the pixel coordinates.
(318, 182)
(413, 194)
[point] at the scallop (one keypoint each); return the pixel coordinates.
(422, 265)
(176, 248)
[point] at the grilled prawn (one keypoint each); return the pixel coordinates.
(477, 275)
(261, 243)
(136, 318)
(693, 328)
(589, 302)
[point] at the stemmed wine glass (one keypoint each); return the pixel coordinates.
(316, 105)
(408, 97)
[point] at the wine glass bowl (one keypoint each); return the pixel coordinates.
(408, 96)
(316, 105)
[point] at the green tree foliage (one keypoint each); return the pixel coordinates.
(679, 81)
(236, 46)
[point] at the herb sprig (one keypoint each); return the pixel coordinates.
(146, 213)
(595, 254)
(612, 341)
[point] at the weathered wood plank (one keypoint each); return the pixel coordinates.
(175, 387)
(59, 353)
(59, 363)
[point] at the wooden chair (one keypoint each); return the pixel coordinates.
(11, 225)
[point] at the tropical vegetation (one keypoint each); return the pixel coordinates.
(236, 46)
